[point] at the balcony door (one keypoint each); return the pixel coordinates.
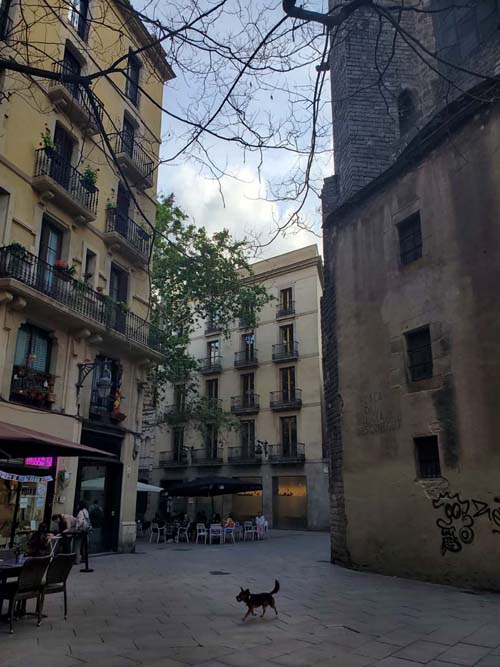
(248, 346)
(118, 291)
(122, 210)
(60, 166)
(213, 350)
(286, 300)
(212, 389)
(289, 436)
(128, 137)
(287, 383)
(211, 442)
(286, 338)
(51, 240)
(247, 389)
(72, 67)
(247, 435)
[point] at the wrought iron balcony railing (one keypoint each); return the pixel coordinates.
(129, 146)
(134, 234)
(21, 265)
(79, 94)
(174, 459)
(246, 404)
(32, 387)
(285, 309)
(290, 399)
(244, 456)
(49, 163)
(212, 328)
(245, 358)
(286, 351)
(206, 457)
(210, 365)
(292, 452)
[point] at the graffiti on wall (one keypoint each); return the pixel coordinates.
(458, 518)
(374, 417)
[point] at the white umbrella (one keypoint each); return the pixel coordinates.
(97, 484)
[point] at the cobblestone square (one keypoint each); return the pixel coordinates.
(173, 605)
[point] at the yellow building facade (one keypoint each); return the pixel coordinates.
(78, 174)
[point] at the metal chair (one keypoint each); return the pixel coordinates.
(27, 587)
(229, 534)
(216, 532)
(201, 531)
(55, 580)
(249, 530)
(55, 541)
(183, 531)
(157, 530)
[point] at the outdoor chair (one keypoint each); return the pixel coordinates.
(55, 541)
(27, 587)
(55, 580)
(139, 530)
(229, 535)
(201, 531)
(157, 530)
(238, 530)
(216, 532)
(249, 531)
(183, 531)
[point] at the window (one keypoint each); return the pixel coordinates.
(178, 442)
(5, 21)
(286, 337)
(211, 444)
(31, 382)
(419, 348)
(462, 26)
(118, 291)
(90, 266)
(212, 388)
(247, 388)
(247, 438)
(51, 239)
(71, 66)
(410, 239)
(406, 112)
(60, 161)
(128, 137)
(248, 345)
(213, 349)
(78, 17)
(289, 435)
(286, 305)
(133, 73)
(287, 383)
(427, 454)
(180, 397)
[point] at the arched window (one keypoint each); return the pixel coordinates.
(406, 111)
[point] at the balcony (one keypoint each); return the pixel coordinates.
(211, 365)
(73, 303)
(244, 456)
(248, 404)
(134, 161)
(130, 239)
(32, 387)
(205, 457)
(102, 409)
(57, 180)
(286, 352)
(176, 413)
(74, 101)
(212, 328)
(174, 459)
(284, 310)
(287, 453)
(286, 400)
(246, 359)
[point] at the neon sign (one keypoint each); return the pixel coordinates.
(40, 461)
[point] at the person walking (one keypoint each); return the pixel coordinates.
(82, 529)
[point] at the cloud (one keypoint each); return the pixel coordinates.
(241, 208)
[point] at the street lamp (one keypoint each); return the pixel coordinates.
(103, 384)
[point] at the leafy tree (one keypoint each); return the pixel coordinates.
(196, 276)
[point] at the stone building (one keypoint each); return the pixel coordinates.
(411, 314)
(269, 378)
(74, 290)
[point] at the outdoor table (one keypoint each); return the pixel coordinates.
(10, 567)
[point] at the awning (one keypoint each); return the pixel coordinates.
(18, 442)
(97, 484)
(213, 486)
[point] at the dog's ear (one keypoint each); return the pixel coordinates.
(241, 589)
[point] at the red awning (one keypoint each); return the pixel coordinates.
(18, 442)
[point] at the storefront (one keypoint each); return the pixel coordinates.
(290, 503)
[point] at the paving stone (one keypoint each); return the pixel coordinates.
(375, 649)
(464, 654)
(488, 635)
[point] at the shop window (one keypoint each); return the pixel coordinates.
(31, 383)
(427, 455)
(419, 350)
(410, 239)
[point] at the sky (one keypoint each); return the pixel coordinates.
(239, 201)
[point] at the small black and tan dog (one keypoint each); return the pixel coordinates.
(254, 600)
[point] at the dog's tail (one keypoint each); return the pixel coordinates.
(276, 587)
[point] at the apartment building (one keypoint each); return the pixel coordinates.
(76, 234)
(269, 378)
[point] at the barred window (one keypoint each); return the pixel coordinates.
(410, 239)
(419, 349)
(427, 456)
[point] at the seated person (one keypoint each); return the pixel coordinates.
(229, 522)
(39, 542)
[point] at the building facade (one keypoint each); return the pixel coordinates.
(269, 378)
(78, 175)
(410, 317)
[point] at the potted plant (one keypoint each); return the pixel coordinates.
(64, 271)
(47, 142)
(89, 179)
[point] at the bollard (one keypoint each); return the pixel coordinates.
(85, 550)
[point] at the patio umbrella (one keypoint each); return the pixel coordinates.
(209, 487)
(97, 484)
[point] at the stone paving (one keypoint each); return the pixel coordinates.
(173, 605)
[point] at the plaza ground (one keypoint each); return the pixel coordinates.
(173, 605)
